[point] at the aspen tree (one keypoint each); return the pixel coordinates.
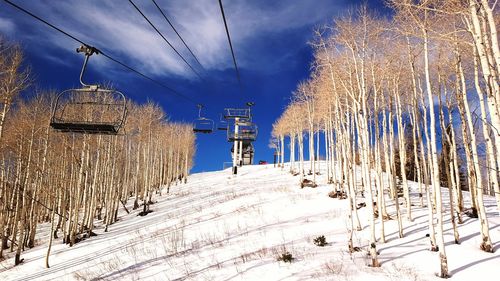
(493, 174)
(422, 21)
(305, 97)
(473, 166)
(447, 155)
(13, 78)
(359, 49)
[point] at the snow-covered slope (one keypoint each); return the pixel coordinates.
(220, 227)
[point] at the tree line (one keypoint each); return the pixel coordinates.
(70, 180)
(415, 94)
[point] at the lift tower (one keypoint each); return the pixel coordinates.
(244, 133)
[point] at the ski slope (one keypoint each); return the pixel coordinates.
(220, 227)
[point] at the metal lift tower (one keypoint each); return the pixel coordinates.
(244, 133)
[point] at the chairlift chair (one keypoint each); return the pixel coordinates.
(222, 125)
(203, 125)
(90, 109)
(247, 131)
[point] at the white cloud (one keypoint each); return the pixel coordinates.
(115, 26)
(6, 26)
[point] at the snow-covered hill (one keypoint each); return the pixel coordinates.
(220, 227)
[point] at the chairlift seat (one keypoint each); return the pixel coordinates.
(89, 110)
(203, 125)
(85, 128)
(203, 131)
(222, 128)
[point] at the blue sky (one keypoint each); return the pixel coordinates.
(269, 38)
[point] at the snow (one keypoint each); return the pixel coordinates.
(221, 227)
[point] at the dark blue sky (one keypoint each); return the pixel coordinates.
(269, 37)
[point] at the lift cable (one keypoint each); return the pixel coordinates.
(102, 53)
(165, 39)
(230, 44)
(176, 32)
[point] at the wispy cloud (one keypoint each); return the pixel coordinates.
(6, 26)
(116, 27)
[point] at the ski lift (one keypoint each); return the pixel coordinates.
(247, 131)
(222, 125)
(89, 110)
(203, 125)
